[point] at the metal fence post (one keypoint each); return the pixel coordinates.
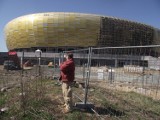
(87, 74)
(22, 87)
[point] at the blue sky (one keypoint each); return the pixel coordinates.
(144, 11)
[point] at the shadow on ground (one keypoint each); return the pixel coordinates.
(109, 111)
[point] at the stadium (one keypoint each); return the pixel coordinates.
(55, 32)
(58, 31)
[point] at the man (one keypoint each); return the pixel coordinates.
(67, 69)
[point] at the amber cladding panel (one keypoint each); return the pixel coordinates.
(53, 30)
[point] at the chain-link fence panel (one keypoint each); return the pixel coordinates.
(124, 75)
(116, 78)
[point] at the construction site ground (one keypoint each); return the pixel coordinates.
(33, 97)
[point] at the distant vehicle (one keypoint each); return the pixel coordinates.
(10, 65)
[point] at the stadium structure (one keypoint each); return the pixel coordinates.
(54, 32)
(57, 31)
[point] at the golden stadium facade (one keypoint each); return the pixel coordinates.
(54, 31)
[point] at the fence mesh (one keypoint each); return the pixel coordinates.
(136, 67)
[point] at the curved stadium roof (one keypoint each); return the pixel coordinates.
(58, 29)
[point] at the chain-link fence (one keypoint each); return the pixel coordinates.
(110, 81)
(24, 92)
(136, 68)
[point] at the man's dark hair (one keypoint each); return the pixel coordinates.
(70, 55)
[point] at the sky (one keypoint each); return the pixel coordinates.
(143, 11)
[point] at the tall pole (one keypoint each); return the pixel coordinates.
(39, 60)
(39, 63)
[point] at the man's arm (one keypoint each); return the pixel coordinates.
(64, 66)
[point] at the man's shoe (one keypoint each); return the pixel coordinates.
(64, 105)
(65, 111)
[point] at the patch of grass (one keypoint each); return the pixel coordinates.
(4, 116)
(53, 87)
(34, 110)
(142, 103)
(39, 103)
(37, 114)
(57, 90)
(3, 99)
(126, 104)
(12, 112)
(107, 104)
(110, 103)
(138, 106)
(76, 116)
